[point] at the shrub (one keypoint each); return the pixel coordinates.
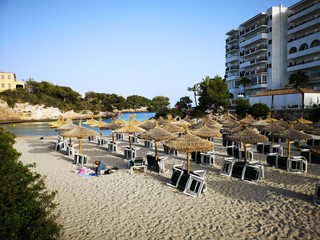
(25, 204)
(259, 110)
(242, 107)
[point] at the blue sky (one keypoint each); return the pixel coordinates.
(127, 47)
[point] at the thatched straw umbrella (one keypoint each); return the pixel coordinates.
(282, 123)
(111, 126)
(189, 143)
(79, 132)
(247, 136)
(130, 128)
(60, 122)
(291, 134)
(247, 120)
(147, 125)
(120, 121)
(206, 132)
(99, 124)
(273, 128)
(173, 128)
(66, 127)
(305, 121)
(301, 126)
(90, 121)
(157, 134)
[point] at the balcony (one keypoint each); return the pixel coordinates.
(232, 49)
(304, 53)
(258, 37)
(232, 59)
(302, 27)
(303, 65)
(303, 12)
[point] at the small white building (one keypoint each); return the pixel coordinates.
(288, 98)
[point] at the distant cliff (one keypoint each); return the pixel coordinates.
(25, 112)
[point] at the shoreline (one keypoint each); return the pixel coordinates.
(143, 206)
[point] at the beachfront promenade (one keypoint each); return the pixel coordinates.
(142, 206)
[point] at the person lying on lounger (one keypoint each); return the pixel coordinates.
(101, 166)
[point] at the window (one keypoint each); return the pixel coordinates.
(303, 47)
(269, 54)
(9, 76)
(292, 50)
(2, 85)
(9, 85)
(2, 76)
(270, 41)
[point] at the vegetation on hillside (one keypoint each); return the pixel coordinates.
(66, 99)
(26, 206)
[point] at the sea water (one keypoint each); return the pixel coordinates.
(43, 128)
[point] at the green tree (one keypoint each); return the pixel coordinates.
(214, 93)
(194, 89)
(159, 103)
(244, 82)
(259, 110)
(137, 101)
(298, 78)
(184, 103)
(242, 106)
(26, 206)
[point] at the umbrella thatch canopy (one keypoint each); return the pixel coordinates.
(180, 122)
(313, 131)
(316, 125)
(130, 128)
(305, 121)
(207, 132)
(247, 136)
(60, 122)
(120, 121)
(247, 120)
(157, 134)
(315, 150)
(230, 124)
(189, 143)
(79, 132)
(235, 129)
(135, 121)
(301, 126)
(99, 124)
(111, 126)
(162, 121)
(282, 123)
(259, 123)
(274, 129)
(173, 128)
(292, 134)
(91, 121)
(147, 125)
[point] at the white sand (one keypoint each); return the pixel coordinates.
(143, 206)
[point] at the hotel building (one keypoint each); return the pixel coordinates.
(269, 47)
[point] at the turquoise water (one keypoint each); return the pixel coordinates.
(43, 128)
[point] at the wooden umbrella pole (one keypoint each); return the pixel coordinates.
(156, 150)
(130, 140)
(245, 152)
(112, 135)
(289, 148)
(80, 146)
(188, 163)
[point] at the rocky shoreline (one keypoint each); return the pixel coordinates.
(25, 112)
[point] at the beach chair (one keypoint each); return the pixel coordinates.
(227, 165)
(137, 163)
(297, 164)
(130, 153)
(282, 162)
(112, 146)
(253, 173)
(62, 146)
(306, 153)
(208, 158)
(260, 147)
(196, 183)
(70, 150)
(316, 196)
(238, 170)
(277, 149)
(272, 159)
(80, 159)
(177, 171)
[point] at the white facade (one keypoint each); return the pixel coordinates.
(262, 49)
(304, 40)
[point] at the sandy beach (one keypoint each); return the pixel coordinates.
(143, 206)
